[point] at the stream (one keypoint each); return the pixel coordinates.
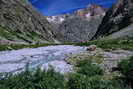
(16, 60)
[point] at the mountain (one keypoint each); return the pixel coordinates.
(88, 12)
(117, 18)
(78, 29)
(21, 23)
(124, 33)
(78, 26)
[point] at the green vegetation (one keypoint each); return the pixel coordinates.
(34, 80)
(24, 1)
(18, 36)
(126, 69)
(88, 76)
(6, 34)
(96, 57)
(95, 82)
(126, 44)
(20, 46)
(85, 66)
(105, 44)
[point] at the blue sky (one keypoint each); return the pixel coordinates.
(57, 7)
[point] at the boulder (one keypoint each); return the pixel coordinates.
(91, 48)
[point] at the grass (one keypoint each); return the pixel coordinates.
(5, 33)
(126, 69)
(126, 44)
(20, 46)
(27, 37)
(79, 81)
(96, 57)
(34, 80)
(104, 44)
(85, 66)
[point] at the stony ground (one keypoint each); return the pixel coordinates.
(107, 59)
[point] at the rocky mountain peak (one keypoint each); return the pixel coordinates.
(87, 13)
(92, 10)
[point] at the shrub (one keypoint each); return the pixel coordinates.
(78, 81)
(111, 43)
(34, 80)
(86, 67)
(126, 68)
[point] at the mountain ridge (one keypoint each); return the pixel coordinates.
(20, 22)
(116, 18)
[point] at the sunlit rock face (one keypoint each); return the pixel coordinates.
(92, 10)
(116, 18)
(88, 13)
(78, 26)
(21, 23)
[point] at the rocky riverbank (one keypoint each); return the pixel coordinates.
(106, 59)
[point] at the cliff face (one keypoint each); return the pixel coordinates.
(78, 26)
(19, 22)
(116, 18)
(77, 29)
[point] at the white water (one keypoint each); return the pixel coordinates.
(16, 60)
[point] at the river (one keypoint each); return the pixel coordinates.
(16, 60)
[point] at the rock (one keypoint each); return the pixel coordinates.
(91, 48)
(77, 29)
(59, 66)
(125, 33)
(112, 58)
(116, 18)
(78, 26)
(87, 13)
(4, 42)
(107, 60)
(95, 56)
